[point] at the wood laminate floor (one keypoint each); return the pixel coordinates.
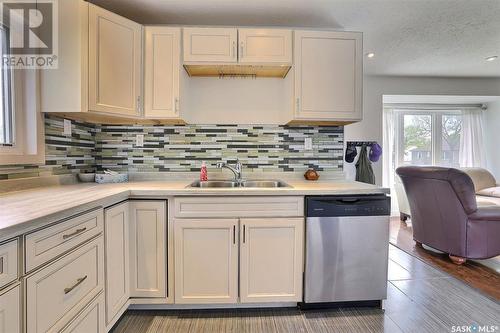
(483, 275)
(420, 299)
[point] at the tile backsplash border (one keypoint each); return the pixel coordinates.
(182, 148)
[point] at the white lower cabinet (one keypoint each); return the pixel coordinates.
(269, 269)
(64, 287)
(90, 319)
(206, 261)
(116, 230)
(10, 310)
(271, 255)
(148, 247)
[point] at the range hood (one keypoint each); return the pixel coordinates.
(225, 70)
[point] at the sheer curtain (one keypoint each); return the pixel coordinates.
(388, 150)
(471, 140)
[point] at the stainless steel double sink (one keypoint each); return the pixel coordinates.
(241, 184)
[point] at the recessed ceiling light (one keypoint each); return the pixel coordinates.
(370, 55)
(492, 58)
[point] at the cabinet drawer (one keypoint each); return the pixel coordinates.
(63, 286)
(10, 311)
(8, 262)
(239, 207)
(47, 244)
(90, 319)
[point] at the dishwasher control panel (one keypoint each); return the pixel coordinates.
(354, 205)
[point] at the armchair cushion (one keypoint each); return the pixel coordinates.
(491, 213)
(490, 192)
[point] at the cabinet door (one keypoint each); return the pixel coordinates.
(210, 45)
(161, 77)
(265, 46)
(90, 319)
(148, 248)
(10, 311)
(116, 229)
(328, 75)
(271, 255)
(115, 48)
(206, 261)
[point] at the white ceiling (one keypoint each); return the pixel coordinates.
(409, 37)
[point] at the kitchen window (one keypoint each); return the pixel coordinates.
(6, 111)
(21, 125)
(428, 137)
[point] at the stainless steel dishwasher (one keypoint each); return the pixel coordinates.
(347, 244)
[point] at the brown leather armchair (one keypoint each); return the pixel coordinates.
(445, 214)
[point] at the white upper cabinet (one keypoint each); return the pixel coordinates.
(265, 46)
(210, 45)
(99, 70)
(328, 76)
(65, 89)
(115, 53)
(162, 69)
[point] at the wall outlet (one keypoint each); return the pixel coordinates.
(308, 143)
(139, 140)
(67, 127)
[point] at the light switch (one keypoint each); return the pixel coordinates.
(67, 127)
(308, 144)
(139, 140)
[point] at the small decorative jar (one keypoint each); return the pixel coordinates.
(311, 174)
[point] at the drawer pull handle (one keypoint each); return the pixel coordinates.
(77, 231)
(78, 282)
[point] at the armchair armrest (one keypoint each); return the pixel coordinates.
(486, 214)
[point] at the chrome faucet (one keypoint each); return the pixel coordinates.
(237, 169)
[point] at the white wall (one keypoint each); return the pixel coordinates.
(492, 138)
(209, 100)
(377, 86)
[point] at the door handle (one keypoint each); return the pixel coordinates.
(234, 49)
(1, 265)
(176, 105)
(244, 233)
(234, 234)
(241, 49)
(78, 282)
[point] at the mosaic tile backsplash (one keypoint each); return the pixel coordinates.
(183, 148)
(63, 154)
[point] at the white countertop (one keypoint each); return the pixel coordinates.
(28, 209)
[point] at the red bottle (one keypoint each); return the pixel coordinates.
(203, 172)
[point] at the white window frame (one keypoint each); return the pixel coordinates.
(29, 144)
(436, 132)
